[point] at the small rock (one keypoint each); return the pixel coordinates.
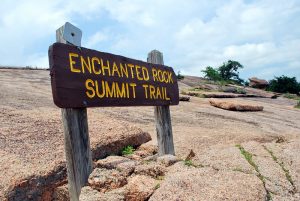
(104, 179)
(190, 155)
(184, 98)
(152, 169)
(140, 188)
(127, 167)
(111, 162)
(150, 149)
(167, 160)
(151, 158)
(142, 153)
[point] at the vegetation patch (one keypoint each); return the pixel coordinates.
(226, 73)
(281, 164)
(292, 96)
(128, 150)
(284, 84)
(248, 156)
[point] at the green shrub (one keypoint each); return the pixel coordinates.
(284, 84)
(211, 74)
(128, 150)
(179, 76)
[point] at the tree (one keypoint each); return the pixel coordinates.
(229, 71)
(211, 73)
(284, 84)
(179, 76)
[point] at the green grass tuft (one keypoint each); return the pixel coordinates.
(286, 171)
(127, 150)
(248, 156)
(189, 163)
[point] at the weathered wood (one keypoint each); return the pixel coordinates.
(162, 116)
(77, 143)
(89, 78)
(77, 149)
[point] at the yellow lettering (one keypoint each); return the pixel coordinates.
(93, 65)
(133, 85)
(160, 77)
(105, 67)
(73, 62)
(145, 73)
(124, 70)
(85, 64)
(154, 74)
(127, 89)
(131, 66)
(146, 90)
(121, 93)
(91, 92)
(115, 69)
(152, 92)
(165, 90)
(170, 77)
(164, 74)
(137, 68)
(97, 89)
(110, 91)
(158, 93)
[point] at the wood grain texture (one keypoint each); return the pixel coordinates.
(77, 146)
(162, 116)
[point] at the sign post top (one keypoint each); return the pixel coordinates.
(70, 34)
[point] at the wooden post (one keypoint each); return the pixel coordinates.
(77, 142)
(162, 116)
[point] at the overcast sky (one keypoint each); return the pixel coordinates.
(263, 35)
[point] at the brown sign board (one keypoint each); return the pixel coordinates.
(82, 77)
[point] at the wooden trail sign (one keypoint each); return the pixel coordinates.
(82, 77)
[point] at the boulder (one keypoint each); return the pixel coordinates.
(258, 83)
(209, 184)
(127, 167)
(235, 105)
(103, 179)
(152, 169)
(140, 188)
(167, 160)
(111, 162)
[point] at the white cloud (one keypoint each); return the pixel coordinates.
(263, 35)
(96, 39)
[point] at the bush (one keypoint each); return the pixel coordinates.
(228, 72)
(179, 76)
(211, 74)
(284, 84)
(127, 150)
